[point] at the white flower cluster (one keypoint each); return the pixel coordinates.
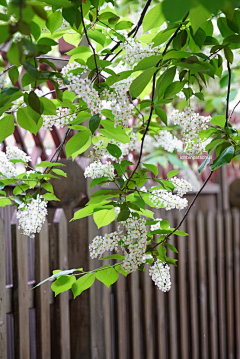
(136, 242)
(14, 153)
(98, 170)
(165, 139)
(191, 123)
(108, 242)
(7, 168)
(135, 51)
(156, 226)
(167, 200)
(72, 66)
(31, 216)
(100, 148)
(119, 102)
(160, 274)
(133, 243)
(63, 117)
(181, 185)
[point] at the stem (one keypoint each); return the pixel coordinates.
(228, 91)
(89, 42)
(234, 108)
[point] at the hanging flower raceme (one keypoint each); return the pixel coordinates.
(98, 170)
(182, 186)
(160, 274)
(7, 168)
(163, 198)
(191, 123)
(31, 216)
(165, 140)
(62, 118)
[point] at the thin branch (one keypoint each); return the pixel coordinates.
(89, 42)
(234, 108)
(188, 210)
(228, 91)
(152, 104)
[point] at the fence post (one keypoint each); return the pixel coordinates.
(3, 345)
(20, 292)
(42, 294)
(61, 334)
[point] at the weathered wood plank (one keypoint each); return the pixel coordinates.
(42, 294)
(20, 292)
(148, 310)
(3, 318)
(135, 304)
(221, 286)
(202, 267)
(61, 301)
(122, 317)
(211, 248)
(193, 287)
(183, 290)
(229, 285)
(236, 244)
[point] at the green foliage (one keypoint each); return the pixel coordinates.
(108, 275)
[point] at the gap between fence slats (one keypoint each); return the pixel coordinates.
(3, 312)
(236, 244)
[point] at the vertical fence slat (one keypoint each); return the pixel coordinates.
(148, 314)
(62, 301)
(122, 317)
(221, 286)
(183, 304)
(202, 262)
(20, 292)
(212, 285)
(42, 294)
(172, 298)
(193, 286)
(3, 317)
(236, 242)
(229, 286)
(161, 312)
(135, 315)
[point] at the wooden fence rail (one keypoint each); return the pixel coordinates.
(198, 319)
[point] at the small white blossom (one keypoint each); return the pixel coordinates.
(98, 170)
(167, 200)
(181, 185)
(160, 274)
(31, 216)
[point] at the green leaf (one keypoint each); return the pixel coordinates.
(171, 247)
(84, 212)
(218, 120)
(48, 164)
(164, 224)
(228, 54)
(224, 158)
(31, 70)
(140, 82)
(34, 102)
(174, 54)
(180, 233)
(115, 133)
(25, 121)
(151, 168)
(165, 80)
(104, 217)
(114, 150)
(59, 172)
(47, 186)
(148, 62)
(174, 88)
(96, 181)
(161, 114)
(163, 36)
(212, 5)
(54, 21)
(6, 127)
(198, 15)
(235, 39)
(122, 25)
(13, 74)
(76, 142)
(79, 50)
(175, 10)
(97, 36)
(82, 284)
(112, 256)
(123, 215)
(154, 18)
(50, 197)
(172, 173)
(107, 276)
(94, 123)
(4, 201)
(48, 105)
(62, 284)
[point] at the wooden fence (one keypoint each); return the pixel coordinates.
(198, 318)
